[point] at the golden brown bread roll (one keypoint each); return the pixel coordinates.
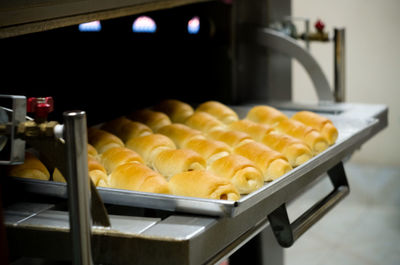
(296, 151)
(204, 122)
(180, 134)
(103, 140)
(219, 111)
(116, 156)
(209, 149)
(32, 168)
(91, 151)
(257, 131)
(299, 130)
(318, 122)
(231, 138)
(272, 163)
(154, 119)
(126, 129)
(242, 172)
(138, 177)
(176, 110)
(266, 115)
(174, 161)
(203, 184)
(149, 146)
(96, 172)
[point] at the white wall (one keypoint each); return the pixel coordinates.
(372, 63)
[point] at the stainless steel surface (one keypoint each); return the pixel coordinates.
(340, 62)
(280, 42)
(17, 146)
(78, 186)
(257, 72)
(356, 124)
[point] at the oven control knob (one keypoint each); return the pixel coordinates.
(319, 25)
(41, 107)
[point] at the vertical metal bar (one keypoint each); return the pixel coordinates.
(78, 186)
(340, 76)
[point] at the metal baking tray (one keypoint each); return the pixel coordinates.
(354, 130)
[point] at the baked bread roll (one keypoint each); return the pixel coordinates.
(180, 134)
(219, 111)
(204, 122)
(272, 163)
(210, 150)
(116, 156)
(32, 168)
(257, 131)
(266, 115)
(242, 172)
(154, 119)
(296, 151)
(102, 140)
(203, 184)
(231, 138)
(318, 122)
(97, 173)
(137, 177)
(176, 110)
(149, 146)
(299, 130)
(126, 129)
(91, 151)
(173, 161)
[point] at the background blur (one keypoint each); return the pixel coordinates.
(372, 63)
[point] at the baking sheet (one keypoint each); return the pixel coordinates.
(352, 133)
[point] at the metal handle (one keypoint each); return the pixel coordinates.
(287, 233)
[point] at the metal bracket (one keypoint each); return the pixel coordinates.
(287, 233)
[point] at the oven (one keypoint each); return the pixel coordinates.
(134, 54)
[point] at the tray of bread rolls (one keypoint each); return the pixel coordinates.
(207, 158)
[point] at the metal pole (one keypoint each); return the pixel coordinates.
(340, 76)
(78, 186)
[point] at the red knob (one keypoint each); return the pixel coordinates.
(319, 25)
(40, 106)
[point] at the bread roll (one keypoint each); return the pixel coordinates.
(320, 123)
(154, 119)
(231, 138)
(180, 134)
(138, 177)
(91, 151)
(116, 156)
(97, 172)
(242, 172)
(103, 140)
(204, 122)
(219, 111)
(176, 110)
(296, 151)
(126, 129)
(266, 115)
(32, 168)
(203, 184)
(210, 150)
(257, 131)
(174, 161)
(272, 163)
(149, 146)
(299, 130)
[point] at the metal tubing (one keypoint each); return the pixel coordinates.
(285, 44)
(78, 186)
(340, 85)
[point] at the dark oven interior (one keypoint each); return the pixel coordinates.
(111, 72)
